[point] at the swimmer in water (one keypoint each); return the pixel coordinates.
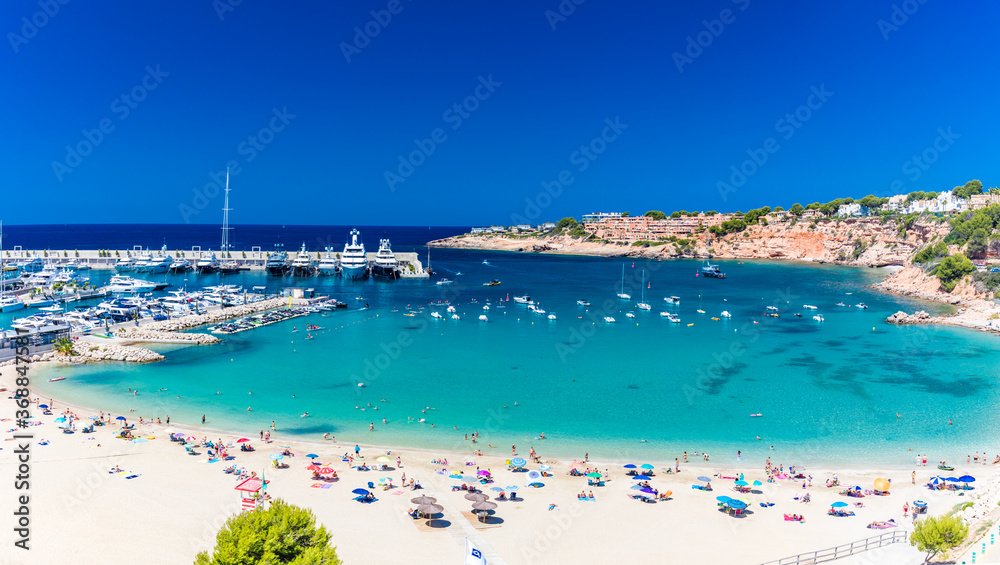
(249, 409)
(305, 415)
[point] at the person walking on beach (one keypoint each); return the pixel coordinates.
(913, 478)
(262, 435)
(202, 418)
(357, 450)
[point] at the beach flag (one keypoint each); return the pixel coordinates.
(472, 554)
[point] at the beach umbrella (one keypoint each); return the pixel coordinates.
(326, 471)
(423, 500)
(646, 466)
(470, 479)
(312, 456)
(483, 473)
(951, 479)
(476, 497)
(595, 475)
(647, 490)
(179, 436)
(277, 456)
(533, 476)
(640, 478)
(385, 480)
(839, 504)
(936, 481)
(704, 479)
(741, 483)
(637, 487)
(723, 498)
(430, 508)
(858, 488)
(629, 466)
(756, 483)
(967, 479)
(497, 489)
(737, 504)
(242, 440)
(456, 476)
(382, 459)
(484, 505)
(510, 487)
(919, 503)
(313, 467)
(881, 484)
(120, 418)
(518, 462)
(59, 420)
(360, 492)
(544, 468)
(43, 405)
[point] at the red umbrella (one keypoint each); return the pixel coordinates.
(326, 471)
(313, 468)
(241, 440)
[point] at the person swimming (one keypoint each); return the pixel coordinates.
(305, 415)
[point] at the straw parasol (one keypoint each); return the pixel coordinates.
(430, 508)
(423, 500)
(477, 497)
(483, 507)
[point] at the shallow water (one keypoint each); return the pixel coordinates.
(637, 389)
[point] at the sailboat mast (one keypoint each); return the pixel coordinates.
(225, 219)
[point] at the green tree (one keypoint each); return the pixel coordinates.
(625, 215)
(64, 346)
(979, 242)
(796, 209)
(711, 213)
(972, 187)
(938, 533)
(656, 215)
(565, 223)
(282, 534)
(952, 269)
(675, 215)
(779, 209)
(813, 206)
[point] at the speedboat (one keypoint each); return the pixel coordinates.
(670, 317)
(10, 303)
(841, 304)
(524, 299)
(672, 299)
(552, 316)
(809, 306)
(486, 307)
(818, 317)
(771, 308)
(454, 317)
(451, 309)
(643, 306)
(180, 266)
(861, 305)
(354, 262)
(609, 320)
(629, 315)
(726, 314)
(436, 315)
(444, 282)
(493, 282)
(483, 318)
(583, 303)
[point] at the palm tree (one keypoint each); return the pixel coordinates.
(64, 346)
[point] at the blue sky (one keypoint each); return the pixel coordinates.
(316, 119)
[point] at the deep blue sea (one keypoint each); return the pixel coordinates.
(637, 389)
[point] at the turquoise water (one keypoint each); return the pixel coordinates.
(638, 389)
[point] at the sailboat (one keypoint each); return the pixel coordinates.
(622, 294)
(642, 305)
(708, 269)
(228, 265)
(7, 303)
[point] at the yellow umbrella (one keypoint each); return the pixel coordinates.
(882, 485)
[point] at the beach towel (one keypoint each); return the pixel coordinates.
(131, 476)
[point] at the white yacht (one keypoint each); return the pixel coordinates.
(609, 320)
(208, 264)
(181, 265)
(726, 314)
(623, 295)
(30, 265)
(523, 299)
(672, 299)
(809, 306)
(144, 262)
(444, 282)
(328, 265)
(125, 265)
(642, 304)
(670, 317)
(436, 315)
(583, 303)
(354, 262)
(483, 318)
(818, 317)
(161, 263)
(122, 283)
(7, 303)
(552, 316)
(303, 266)
(385, 266)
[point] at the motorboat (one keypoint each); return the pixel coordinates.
(525, 299)
(160, 263)
(726, 314)
(609, 320)
(353, 261)
(451, 309)
(126, 284)
(436, 315)
(229, 267)
(208, 264)
(675, 300)
(583, 303)
(771, 308)
(181, 265)
(303, 266)
(483, 318)
(328, 264)
(551, 316)
(630, 315)
(708, 269)
(144, 262)
(861, 305)
(818, 317)
(454, 317)
(125, 265)
(444, 282)
(277, 264)
(385, 265)
(671, 317)
(809, 306)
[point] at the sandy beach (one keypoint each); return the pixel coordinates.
(174, 506)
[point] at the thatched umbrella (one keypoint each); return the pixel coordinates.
(476, 497)
(483, 506)
(423, 500)
(430, 510)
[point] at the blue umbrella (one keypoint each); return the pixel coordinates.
(737, 504)
(518, 462)
(277, 456)
(952, 479)
(723, 498)
(919, 503)
(60, 420)
(757, 483)
(43, 405)
(120, 418)
(704, 479)
(967, 479)
(645, 466)
(647, 490)
(839, 504)
(498, 489)
(510, 487)
(312, 456)
(936, 481)
(360, 492)
(456, 476)
(640, 478)
(629, 466)
(741, 483)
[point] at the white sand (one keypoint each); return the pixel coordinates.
(176, 505)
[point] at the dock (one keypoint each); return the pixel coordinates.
(252, 260)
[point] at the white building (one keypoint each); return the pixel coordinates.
(852, 209)
(945, 202)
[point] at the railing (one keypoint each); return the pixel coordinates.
(840, 551)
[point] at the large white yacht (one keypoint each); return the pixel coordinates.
(353, 262)
(160, 263)
(181, 265)
(303, 266)
(121, 283)
(125, 265)
(144, 262)
(328, 264)
(7, 303)
(385, 266)
(277, 264)
(208, 264)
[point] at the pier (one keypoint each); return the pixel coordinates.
(252, 260)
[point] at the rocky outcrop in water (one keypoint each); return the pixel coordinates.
(918, 317)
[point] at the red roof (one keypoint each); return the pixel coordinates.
(250, 485)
